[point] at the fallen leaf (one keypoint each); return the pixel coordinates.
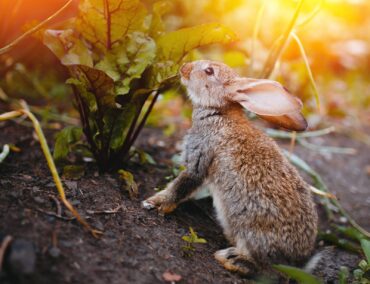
(171, 277)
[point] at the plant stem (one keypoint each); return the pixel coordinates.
(275, 53)
(144, 119)
(308, 68)
(51, 164)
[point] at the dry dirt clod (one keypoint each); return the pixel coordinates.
(22, 257)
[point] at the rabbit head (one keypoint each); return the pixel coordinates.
(214, 84)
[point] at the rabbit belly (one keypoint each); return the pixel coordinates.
(220, 209)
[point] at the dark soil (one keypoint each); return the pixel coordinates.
(137, 246)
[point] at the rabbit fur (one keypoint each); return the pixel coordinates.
(263, 205)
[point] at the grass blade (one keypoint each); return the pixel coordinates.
(308, 68)
(288, 135)
(365, 244)
(327, 149)
(34, 29)
(280, 44)
(319, 183)
(297, 274)
(311, 16)
(4, 153)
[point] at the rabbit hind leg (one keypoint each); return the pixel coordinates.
(233, 260)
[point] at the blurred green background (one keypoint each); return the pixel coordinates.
(335, 35)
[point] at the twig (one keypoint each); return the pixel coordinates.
(327, 149)
(322, 193)
(112, 211)
(4, 245)
(57, 203)
(56, 215)
(288, 135)
(34, 29)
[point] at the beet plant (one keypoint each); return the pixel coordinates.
(120, 58)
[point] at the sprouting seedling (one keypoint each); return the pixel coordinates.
(191, 239)
(362, 274)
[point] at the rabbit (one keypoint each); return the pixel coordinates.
(261, 202)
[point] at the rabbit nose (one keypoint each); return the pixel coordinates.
(185, 70)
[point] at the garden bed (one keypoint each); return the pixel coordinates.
(138, 246)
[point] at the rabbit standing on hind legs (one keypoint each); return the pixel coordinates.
(263, 205)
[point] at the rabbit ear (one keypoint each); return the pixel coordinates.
(270, 100)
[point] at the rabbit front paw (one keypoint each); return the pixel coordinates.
(163, 201)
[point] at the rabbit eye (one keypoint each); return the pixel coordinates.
(209, 71)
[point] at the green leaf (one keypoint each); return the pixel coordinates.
(193, 238)
(175, 45)
(95, 82)
(363, 265)
(358, 273)
(172, 47)
(365, 244)
(160, 8)
(128, 61)
(297, 274)
(128, 178)
(351, 232)
(145, 158)
(64, 139)
(116, 122)
(104, 23)
(67, 47)
(343, 275)
(73, 172)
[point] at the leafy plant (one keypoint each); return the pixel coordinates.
(362, 274)
(119, 57)
(191, 239)
(297, 274)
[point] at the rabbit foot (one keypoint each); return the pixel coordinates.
(233, 261)
(161, 201)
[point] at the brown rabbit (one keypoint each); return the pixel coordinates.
(262, 204)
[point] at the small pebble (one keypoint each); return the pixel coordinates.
(39, 200)
(54, 252)
(72, 185)
(343, 219)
